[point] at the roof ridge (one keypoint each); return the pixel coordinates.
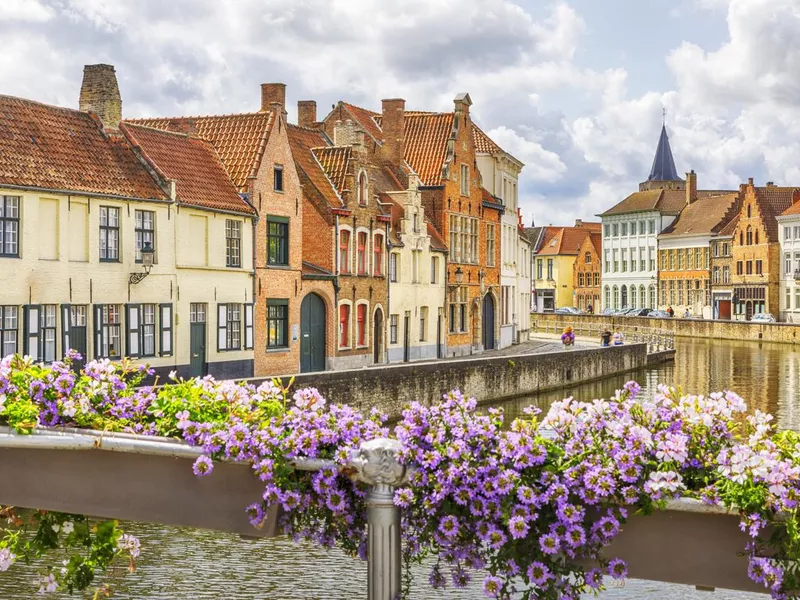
(177, 118)
(45, 104)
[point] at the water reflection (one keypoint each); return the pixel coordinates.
(191, 564)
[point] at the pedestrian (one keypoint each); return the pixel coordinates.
(568, 337)
(670, 312)
(686, 314)
(605, 338)
(589, 309)
(618, 337)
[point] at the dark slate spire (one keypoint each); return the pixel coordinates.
(663, 164)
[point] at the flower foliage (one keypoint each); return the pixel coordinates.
(526, 504)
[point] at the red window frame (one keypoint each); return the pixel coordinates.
(344, 251)
(362, 252)
(361, 324)
(377, 267)
(344, 325)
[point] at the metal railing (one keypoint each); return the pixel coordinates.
(657, 340)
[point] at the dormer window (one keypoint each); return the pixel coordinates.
(362, 189)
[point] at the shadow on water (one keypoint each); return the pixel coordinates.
(187, 564)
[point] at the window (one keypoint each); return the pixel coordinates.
(739, 270)
(787, 233)
(606, 230)
(416, 223)
(616, 261)
(393, 321)
(539, 267)
(624, 229)
(277, 178)
(277, 240)
(797, 232)
(615, 229)
(377, 255)
(233, 243)
(607, 303)
(464, 180)
(624, 260)
(749, 214)
(361, 325)
(749, 235)
(725, 249)
(458, 310)
(633, 228)
(141, 329)
(787, 264)
(108, 330)
(797, 262)
(109, 234)
(9, 226)
(434, 269)
(549, 269)
(726, 274)
(597, 279)
(344, 251)
(229, 327)
(490, 245)
(759, 267)
(749, 266)
(587, 258)
(423, 323)
(197, 312)
(616, 297)
(680, 254)
(362, 189)
(580, 279)
(48, 320)
(756, 237)
(361, 253)
(393, 267)
(796, 298)
(344, 325)
(652, 226)
(277, 323)
(9, 325)
(145, 229)
(741, 238)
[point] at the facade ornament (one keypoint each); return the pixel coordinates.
(376, 463)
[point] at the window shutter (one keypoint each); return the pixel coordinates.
(31, 328)
(222, 327)
(248, 326)
(165, 331)
(65, 325)
(133, 330)
(98, 330)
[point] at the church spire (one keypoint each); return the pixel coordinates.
(663, 164)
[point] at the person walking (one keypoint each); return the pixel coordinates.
(605, 338)
(670, 312)
(568, 337)
(687, 315)
(618, 337)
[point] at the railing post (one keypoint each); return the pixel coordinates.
(376, 464)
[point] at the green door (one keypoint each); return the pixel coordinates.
(488, 322)
(197, 346)
(312, 334)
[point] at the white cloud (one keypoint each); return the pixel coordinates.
(25, 10)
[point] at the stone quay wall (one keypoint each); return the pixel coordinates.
(780, 333)
(390, 388)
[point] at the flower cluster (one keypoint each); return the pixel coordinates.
(527, 504)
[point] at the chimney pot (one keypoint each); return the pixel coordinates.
(306, 113)
(100, 94)
(272, 93)
(691, 187)
(393, 125)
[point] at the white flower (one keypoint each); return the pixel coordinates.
(2, 403)
(129, 543)
(47, 584)
(68, 527)
(7, 559)
(183, 419)
(173, 375)
(56, 527)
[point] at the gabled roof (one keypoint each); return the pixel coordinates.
(483, 143)
(50, 147)
(566, 240)
(663, 168)
(728, 230)
(201, 179)
(705, 216)
(334, 161)
(534, 236)
(367, 120)
(239, 139)
(317, 185)
(596, 239)
(669, 202)
(774, 201)
(794, 209)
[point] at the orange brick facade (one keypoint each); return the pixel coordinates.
(586, 275)
(684, 278)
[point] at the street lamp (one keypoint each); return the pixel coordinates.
(459, 277)
(148, 254)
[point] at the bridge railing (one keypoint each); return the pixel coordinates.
(656, 339)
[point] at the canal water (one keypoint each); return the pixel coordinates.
(178, 563)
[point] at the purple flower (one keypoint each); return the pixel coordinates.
(403, 497)
(617, 568)
(518, 527)
(255, 514)
(538, 573)
(203, 466)
(549, 543)
(492, 586)
(449, 526)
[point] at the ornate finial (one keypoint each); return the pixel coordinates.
(376, 463)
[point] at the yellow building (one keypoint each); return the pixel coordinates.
(553, 280)
(417, 262)
(87, 204)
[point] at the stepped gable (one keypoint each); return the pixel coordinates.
(55, 148)
(773, 201)
(200, 177)
(316, 184)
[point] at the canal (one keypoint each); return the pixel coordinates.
(178, 564)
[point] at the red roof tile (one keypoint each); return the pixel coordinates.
(794, 209)
(317, 186)
(483, 143)
(773, 201)
(730, 227)
(706, 215)
(334, 161)
(566, 240)
(666, 201)
(366, 119)
(201, 179)
(57, 148)
(239, 139)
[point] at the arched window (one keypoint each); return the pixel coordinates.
(749, 236)
(377, 256)
(616, 298)
(748, 211)
(607, 301)
(643, 297)
(741, 238)
(652, 296)
(756, 237)
(362, 189)
(633, 297)
(588, 258)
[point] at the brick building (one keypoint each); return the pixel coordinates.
(343, 174)
(440, 149)
(254, 148)
(756, 249)
(684, 249)
(586, 273)
(721, 270)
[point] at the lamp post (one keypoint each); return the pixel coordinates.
(148, 254)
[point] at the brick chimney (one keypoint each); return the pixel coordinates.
(394, 130)
(691, 187)
(462, 103)
(578, 222)
(306, 113)
(273, 93)
(100, 94)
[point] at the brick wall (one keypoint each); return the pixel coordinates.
(587, 294)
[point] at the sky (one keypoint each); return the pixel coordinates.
(573, 88)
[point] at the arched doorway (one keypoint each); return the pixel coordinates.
(377, 337)
(312, 334)
(488, 322)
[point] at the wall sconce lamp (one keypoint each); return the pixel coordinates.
(147, 253)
